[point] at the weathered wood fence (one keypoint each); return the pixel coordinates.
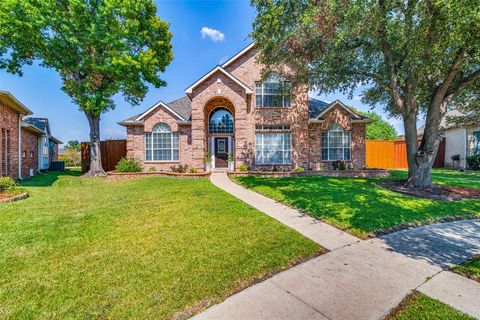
(393, 154)
(112, 151)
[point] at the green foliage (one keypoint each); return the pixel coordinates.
(231, 157)
(7, 184)
(192, 170)
(73, 145)
(180, 168)
(128, 165)
(243, 167)
(207, 158)
(470, 268)
(473, 162)
(117, 249)
(339, 165)
(360, 206)
(379, 129)
(299, 169)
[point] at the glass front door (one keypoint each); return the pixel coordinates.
(221, 152)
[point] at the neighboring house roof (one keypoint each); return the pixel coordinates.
(55, 140)
(14, 103)
(40, 123)
(32, 128)
(247, 89)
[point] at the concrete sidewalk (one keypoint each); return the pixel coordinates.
(356, 279)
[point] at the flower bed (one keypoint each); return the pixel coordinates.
(367, 173)
(112, 175)
(4, 198)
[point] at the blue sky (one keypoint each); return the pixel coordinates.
(226, 26)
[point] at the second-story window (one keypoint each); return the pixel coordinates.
(274, 92)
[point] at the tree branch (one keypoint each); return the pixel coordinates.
(463, 84)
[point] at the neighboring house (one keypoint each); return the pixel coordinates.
(230, 110)
(462, 140)
(27, 144)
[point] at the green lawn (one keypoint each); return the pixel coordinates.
(470, 268)
(149, 248)
(447, 177)
(360, 206)
(420, 307)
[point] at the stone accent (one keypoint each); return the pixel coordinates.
(115, 176)
(368, 173)
(9, 122)
(29, 154)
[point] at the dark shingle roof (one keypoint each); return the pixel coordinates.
(315, 107)
(40, 123)
(182, 106)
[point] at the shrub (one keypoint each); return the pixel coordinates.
(299, 169)
(231, 157)
(128, 165)
(152, 169)
(7, 183)
(193, 170)
(243, 167)
(207, 158)
(180, 168)
(473, 162)
(339, 165)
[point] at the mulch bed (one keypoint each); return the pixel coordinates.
(9, 197)
(436, 192)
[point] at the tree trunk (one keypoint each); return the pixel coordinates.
(96, 169)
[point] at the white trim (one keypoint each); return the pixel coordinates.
(20, 107)
(238, 55)
(19, 147)
(333, 104)
(189, 90)
(158, 104)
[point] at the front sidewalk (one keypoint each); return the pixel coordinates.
(356, 280)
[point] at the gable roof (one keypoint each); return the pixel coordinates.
(247, 89)
(315, 107)
(14, 103)
(238, 55)
(323, 109)
(180, 108)
(40, 123)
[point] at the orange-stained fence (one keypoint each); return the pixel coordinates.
(393, 154)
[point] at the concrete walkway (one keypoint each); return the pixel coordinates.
(356, 279)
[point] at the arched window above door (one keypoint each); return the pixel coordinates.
(221, 122)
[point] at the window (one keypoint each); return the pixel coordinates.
(6, 152)
(32, 154)
(273, 148)
(273, 93)
(220, 121)
(161, 144)
(260, 127)
(24, 154)
(336, 143)
(476, 143)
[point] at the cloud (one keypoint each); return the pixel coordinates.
(213, 34)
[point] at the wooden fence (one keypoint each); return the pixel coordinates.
(112, 151)
(393, 154)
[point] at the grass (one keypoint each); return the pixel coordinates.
(360, 206)
(469, 269)
(418, 306)
(149, 248)
(447, 177)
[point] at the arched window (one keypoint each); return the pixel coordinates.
(161, 144)
(274, 92)
(336, 143)
(220, 121)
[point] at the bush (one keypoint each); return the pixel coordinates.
(7, 184)
(128, 165)
(339, 165)
(243, 167)
(473, 162)
(193, 170)
(231, 157)
(180, 168)
(299, 169)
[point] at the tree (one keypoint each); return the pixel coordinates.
(379, 129)
(73, 145)
(414, 56)
(72, 156)
(98, 47)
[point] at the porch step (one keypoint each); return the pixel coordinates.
(219, 170)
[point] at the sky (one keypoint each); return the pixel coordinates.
(205, 34)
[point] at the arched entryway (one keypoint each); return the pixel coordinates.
(220, 131)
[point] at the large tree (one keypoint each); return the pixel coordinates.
(98, 47)
(379, 129)
(414, 56)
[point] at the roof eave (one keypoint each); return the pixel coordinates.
(55, 140)
(130, 123)
(17, 105)
(189, 90)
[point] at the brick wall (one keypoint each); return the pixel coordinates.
(29, 154)
(8, 124)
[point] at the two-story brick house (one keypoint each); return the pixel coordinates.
(261, 123)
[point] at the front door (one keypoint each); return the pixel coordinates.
(221, 152)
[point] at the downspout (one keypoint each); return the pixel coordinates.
(19, 146)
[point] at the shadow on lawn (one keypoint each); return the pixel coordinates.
(357, 205)
(48, 179)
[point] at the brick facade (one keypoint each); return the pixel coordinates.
(9, 122)
(222, 90)
(29, 149)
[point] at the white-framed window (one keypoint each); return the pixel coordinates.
(476, 143)
(274, 92)
(336, 144)
(273, 148)
(161, 144)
